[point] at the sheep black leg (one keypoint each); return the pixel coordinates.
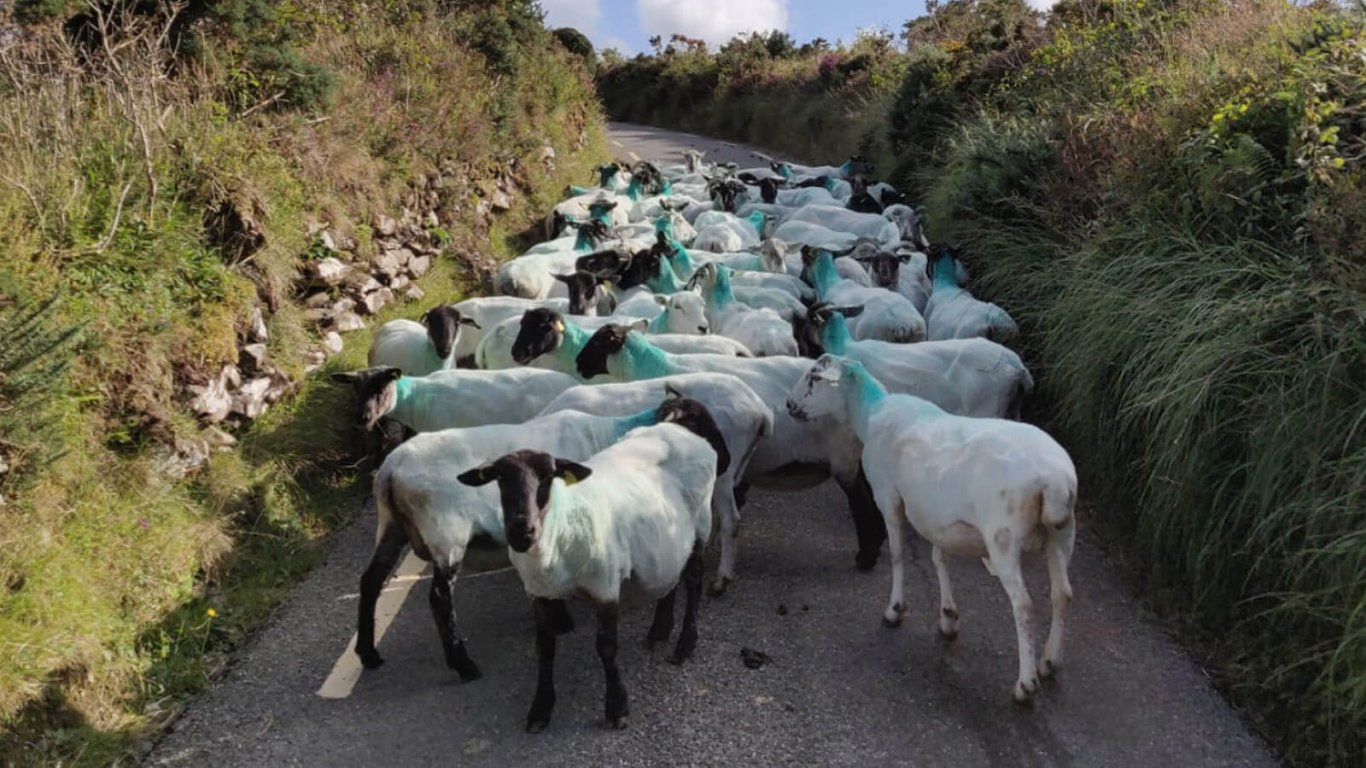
(868, 524)
(443, 610)
(692, 589)
(560, 620)
(382, 562)
(539, 716)
(663, 625)
(741, 495)
(616, 704)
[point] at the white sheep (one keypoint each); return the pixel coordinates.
(887, 315)
(865, 225)
(953, 313)
(489, 311)
(763, 331)
(638, 510)
(797, 455)
(968, 377)
(419, 502)
(455, 398)
(973, 487)
(743, 418)
(721, 232)
(431, 344)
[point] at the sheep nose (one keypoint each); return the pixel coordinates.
(793, 408)
(702, 329)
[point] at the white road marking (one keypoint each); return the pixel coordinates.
(633, 155)
(346, 672)
(616, 143)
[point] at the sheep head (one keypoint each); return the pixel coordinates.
(524, 483)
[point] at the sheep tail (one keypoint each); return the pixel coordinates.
(1056, 507)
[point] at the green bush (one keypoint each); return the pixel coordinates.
(578, 44)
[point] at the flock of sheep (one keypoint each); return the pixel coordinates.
(685, 332)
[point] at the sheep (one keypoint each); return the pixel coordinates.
(421, 347)
(742, 417)
(953, 313)
(910, 227)
(529, 275)
(968, 377)
(766, 269)
(888, 316)
(637, 510)
(489, 311)
(419, 503)
(447, 399)
(974, 487)
(796, 456)
(861, 225)
(815, 235)
(543, 339)
(885, 270)
(861, 200)
(763, 331)
(720, 232)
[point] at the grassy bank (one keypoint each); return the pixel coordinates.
(1168, 195)
(164, 174)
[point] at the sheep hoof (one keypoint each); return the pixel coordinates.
(718, 587)
(620, 723)
(536, 726)
(949, 634)
(370, 659)
(1047, 668)
(469, 674)
(1024, 692)
(865, 561)
(892, 618)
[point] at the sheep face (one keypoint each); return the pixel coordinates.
(443, 326)
(541, 333)
(884, 268)
(586, 291)
(818, 392)
(909, 223)
(687, 313)
(376, 392)
(605, 342)
(694, 416)
(524, 480)
(768, 190)
(642, 267)
(773, 255)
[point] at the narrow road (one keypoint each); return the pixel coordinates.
(840, 689)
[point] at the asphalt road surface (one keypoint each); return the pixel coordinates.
(840, 689)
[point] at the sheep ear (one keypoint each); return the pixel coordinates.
(640, 325)
(470, 322)
(562, 278)
(559, 326)
(571, 472)
(671, 392)
(661, 299)
(851, 311)
(393, 374)
(346, 377)
(480, 475)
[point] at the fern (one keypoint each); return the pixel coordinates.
(33, 373)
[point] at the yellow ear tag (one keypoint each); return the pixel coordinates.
(569, 478)
(559, 326)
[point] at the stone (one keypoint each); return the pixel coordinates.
(281, 386)
(370, 285)
(348, 322)
(217, 438)
(372, 303)
(414, 293)
(232, 378)
(547, 153)
(252, 357)
(179, 460)
(318, 300)
(258, 330)
(399, 283)
(321, 316)
(343, 305)
(431, 220)
(211, 401)
(418, 265)
(329, 271)
(250, 400)
(332, 342)
(329, 242)
(500, 201)
(385, 226)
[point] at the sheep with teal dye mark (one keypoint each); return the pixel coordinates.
(545, 339)
(743, 418)
(638, 510)
(968, 377)
(419, 502)
(721, 232)
(797, 455)
(954, 313)
(448, 399)
(762, 330)
(531, 275)
(973, 487)
(871, 226)
(886, 316)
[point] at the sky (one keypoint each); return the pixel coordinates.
(628, 24)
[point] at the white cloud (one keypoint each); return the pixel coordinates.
(715, 21)
(623, 47)
(582, 15)
(1042, 5)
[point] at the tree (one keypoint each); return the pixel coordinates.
(578, 44)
